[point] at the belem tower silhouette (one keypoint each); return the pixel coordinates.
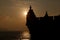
(40, 27)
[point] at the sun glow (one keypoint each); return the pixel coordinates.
(25, 13)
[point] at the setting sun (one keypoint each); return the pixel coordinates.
(25, 10)
(25, 13)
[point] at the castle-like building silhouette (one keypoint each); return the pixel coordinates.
(42, 26)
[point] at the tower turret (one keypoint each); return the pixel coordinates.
(30, 17)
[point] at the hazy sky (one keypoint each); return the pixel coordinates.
(12, 12)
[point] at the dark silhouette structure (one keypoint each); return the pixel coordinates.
(42, 27)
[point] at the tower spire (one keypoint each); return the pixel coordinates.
(30, 7)
(46, 15)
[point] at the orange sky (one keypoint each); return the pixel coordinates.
(12, 12)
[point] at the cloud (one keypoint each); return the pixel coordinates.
(10, 15)
(12, 23)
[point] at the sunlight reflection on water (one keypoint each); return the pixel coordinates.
(25, 35)
(24, 39)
